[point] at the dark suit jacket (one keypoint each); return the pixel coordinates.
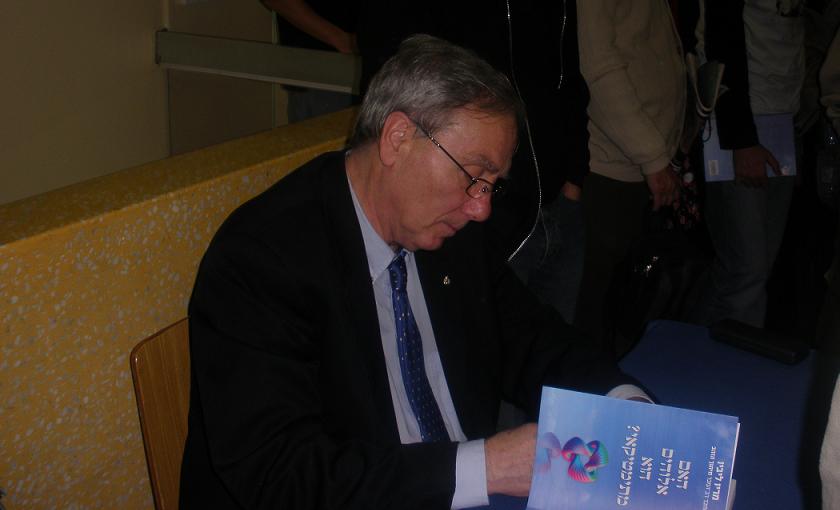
(290, 403)
(725, 41)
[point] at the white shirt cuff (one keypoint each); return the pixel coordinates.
(470, 476)
(628, 391)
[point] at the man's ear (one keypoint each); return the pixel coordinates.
(397, 134)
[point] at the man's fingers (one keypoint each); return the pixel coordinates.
(666, 198)
(760, 173)
(664, 187)
(657, 201)
(774, 164)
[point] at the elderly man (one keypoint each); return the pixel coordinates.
(351, 332)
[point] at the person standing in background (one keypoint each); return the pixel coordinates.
(546, 64)
(828, 333)
(632, 60)
(828, 330)
(830, 83)
(761, 44)
(318, 25)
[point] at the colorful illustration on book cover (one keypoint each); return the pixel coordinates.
(584, 459)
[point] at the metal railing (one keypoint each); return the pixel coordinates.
(253, 60)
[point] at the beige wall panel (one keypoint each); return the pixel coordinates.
(81, 95)
(236, 19)
(207, 109)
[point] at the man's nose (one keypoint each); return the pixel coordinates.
(478, 209)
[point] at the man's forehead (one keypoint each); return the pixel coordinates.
(481, 160)
(475, 114)
(484, 144)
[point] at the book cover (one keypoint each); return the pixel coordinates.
(598, 453)
(775, 133)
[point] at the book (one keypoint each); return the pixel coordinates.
(775, 133)
(704, 87)
(601, 453)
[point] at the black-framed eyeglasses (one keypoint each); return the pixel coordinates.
(478, 187)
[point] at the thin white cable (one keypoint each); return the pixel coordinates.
(538, 217)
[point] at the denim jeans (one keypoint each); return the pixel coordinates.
(746, 226)
(307, 103)
(551, 262)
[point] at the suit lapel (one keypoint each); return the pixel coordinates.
(450, 292)
(448, 289)
(357, 292)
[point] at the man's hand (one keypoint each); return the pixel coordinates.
(346, 43)
(509, 458)
(751, 166)
(301, 15)
(664, 186)
(571, 191)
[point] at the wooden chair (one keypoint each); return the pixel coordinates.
(160, 367)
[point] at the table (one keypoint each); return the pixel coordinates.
(683, 367)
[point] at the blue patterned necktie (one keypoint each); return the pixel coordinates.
(412, 366)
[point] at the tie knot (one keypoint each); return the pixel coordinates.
(397, 271)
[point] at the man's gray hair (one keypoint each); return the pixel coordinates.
(427, 79)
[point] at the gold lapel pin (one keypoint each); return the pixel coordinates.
(446, 280)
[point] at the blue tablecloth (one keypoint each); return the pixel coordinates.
(682, 367)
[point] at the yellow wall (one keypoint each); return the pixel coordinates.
(87, 272)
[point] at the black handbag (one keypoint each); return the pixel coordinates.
(659, 278)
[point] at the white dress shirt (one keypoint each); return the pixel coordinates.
(470, 471)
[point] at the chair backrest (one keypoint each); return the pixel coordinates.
(160, 367)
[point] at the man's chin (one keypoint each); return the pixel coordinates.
(431, 244)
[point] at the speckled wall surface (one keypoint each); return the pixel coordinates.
(85, 274)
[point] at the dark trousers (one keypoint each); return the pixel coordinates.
(746, 226)
(551, 262)
(828, 327)
(614, 217)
